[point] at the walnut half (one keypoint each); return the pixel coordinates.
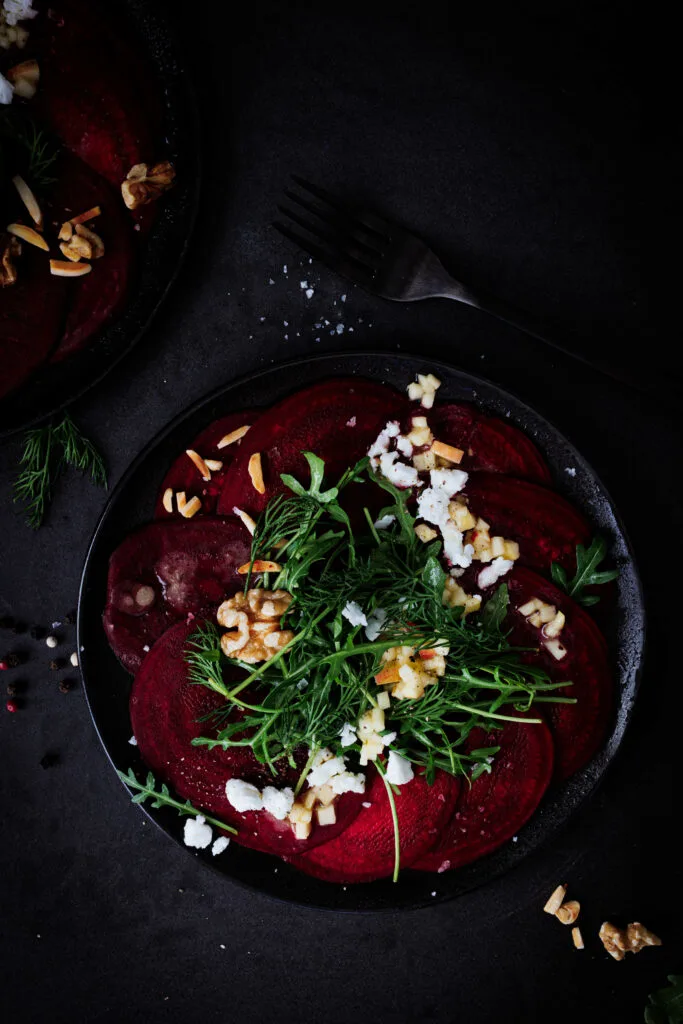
(254, 621)
(620, 941)
(10, 248)
(144, 184)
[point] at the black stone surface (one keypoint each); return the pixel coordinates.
(523, 152)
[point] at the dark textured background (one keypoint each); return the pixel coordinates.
(528, 154)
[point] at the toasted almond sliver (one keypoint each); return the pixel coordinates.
(447, 451)
(246, 519)
(256, 473)
(65, 232)
(260, 565)
(59, 268)
(568, 912)
(90, 214)
(76, 252)
(167, 500)
(187, 508)
(94, 241)
(234, 435)
(25, 77)
(577, 938)
(214, 465)
(29, 200)
(199, 463)
(27, 234)
(556, 900)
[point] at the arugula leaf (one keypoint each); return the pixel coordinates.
(666, 1004)
(494, 611)
(434, 576)
(587, 562)
(163, 798)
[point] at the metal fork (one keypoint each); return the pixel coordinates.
(385, 259)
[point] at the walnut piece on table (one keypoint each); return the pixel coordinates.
(620, 941)
(144, 184)
(254, 621)
(10, 248)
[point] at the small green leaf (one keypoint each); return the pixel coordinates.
(587, 575)
(139, 798)
(559, 575)
(494, 611)
(434, 576)
(293, 484)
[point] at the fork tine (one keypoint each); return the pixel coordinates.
(343, 223)
(370, 221)
(335, 240)
(351, 269)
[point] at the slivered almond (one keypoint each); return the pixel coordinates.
(59, 268)
(199, 463)
(187, 508)
(90, 214)
(234, 435)
(568, 912)
(447, 451)
(246, 519)
(256, 473)
(77, 249)
(214, 465)
(29, 200)
(167, 500)
(27, 234)
(260, 565)
(556, 900)
(65, 232)
(577, 938)
(94, 241)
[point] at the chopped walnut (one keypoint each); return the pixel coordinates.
(10, 248)
(620, 941)
(254, 619)
(145, 184)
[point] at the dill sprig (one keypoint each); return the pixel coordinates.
(31, 148)
(47, 452)
(162, 798)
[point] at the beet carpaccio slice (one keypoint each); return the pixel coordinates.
(497, 804)
(166, 711)
(579, 729)
(163, 572)
(184, 475)
(365, 850)
(337, 420)
(546, 526)
(489, 443)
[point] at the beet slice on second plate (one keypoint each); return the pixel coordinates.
(183, 475)
(165, 711)
(365, 850)
(337, 420)
(489, 443)
(579, 729)
(163, 572)
(492, 810)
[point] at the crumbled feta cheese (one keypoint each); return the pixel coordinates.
(404, 446)
(18, 10)
(498, 567)
(453, 548)
(399, 769)
(302, 684)
(197, 833)
(385, 522)
(432, 506)
(388, 737)
(449, 480)
(348, 734)
(6, 90)
(220, 844)
(354, 613)
(570, 470)
(352, 422)
(133, 742)
(322, 773)
(366, 804)
(243, 795)
(278, 802)
(375, 624)
(347, 782)
(381, 444)
(397, 472)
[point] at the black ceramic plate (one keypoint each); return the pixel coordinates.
(55, 386)
(107, 685)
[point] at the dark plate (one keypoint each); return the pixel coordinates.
(55, 386)
(107, 685)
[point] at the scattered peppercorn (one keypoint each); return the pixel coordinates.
(37, 632)
(13, 659)
(49, 760)
(57, 663)
(12, 689)
(51, 641)
(66, 685)
(12, 706)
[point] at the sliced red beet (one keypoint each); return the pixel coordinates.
(546, 526)
(365, 850)
(184, 475)
(496, 805)
(579, 729)
(489, 443)
(166, 712)
(165, 571)
(337, 420)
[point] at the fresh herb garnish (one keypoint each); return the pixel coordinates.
(163, 798)
(33, 150)
(666, 1004)
(587, 562)
(47, 451)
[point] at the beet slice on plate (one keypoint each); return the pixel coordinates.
(579, 729)
(489, 443)
(496, 805)
(337, 420)
(183, 475)
(546, 526)
(165, 711)
(365, 850)
(165, 571)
